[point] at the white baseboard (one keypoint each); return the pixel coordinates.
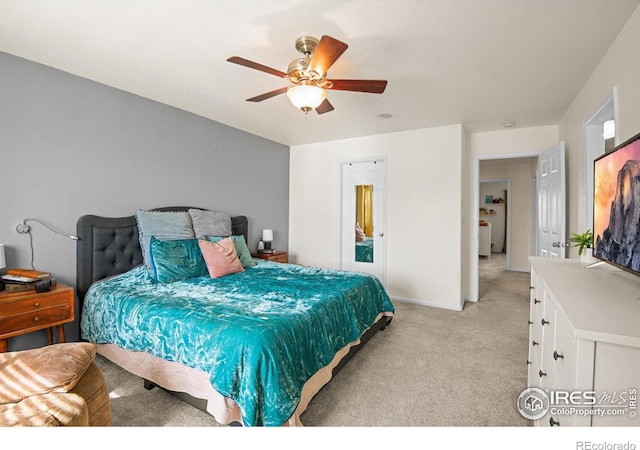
(425, 303)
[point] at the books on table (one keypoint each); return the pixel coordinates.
(29, 273)
(18, 280)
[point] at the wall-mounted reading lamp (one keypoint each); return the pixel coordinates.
(23, 228)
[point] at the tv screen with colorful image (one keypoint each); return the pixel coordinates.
(616, 207)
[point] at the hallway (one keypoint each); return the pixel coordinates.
(496, 281)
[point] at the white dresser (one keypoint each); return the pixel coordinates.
(585, 338)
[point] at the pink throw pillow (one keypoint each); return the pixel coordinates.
(360, 236)
(221, 257)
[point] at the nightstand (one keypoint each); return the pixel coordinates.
(24, 312)
(281, 257)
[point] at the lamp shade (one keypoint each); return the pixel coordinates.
(3, 261)
(267, 235)
(306, 97)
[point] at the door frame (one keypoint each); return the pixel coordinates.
(364, 159)
(474, 282)
(594, 147)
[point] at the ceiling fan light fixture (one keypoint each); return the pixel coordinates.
(306, 97)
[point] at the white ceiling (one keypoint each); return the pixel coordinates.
(475, 62)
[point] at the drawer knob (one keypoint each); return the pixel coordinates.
(531, 287)
(37, 319)
(542, 374)
(36, 304)
(557, 355)
(536, 301)
(535, 343)
(529, 363)
(545, 322)
(553, 423)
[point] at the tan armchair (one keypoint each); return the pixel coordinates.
(57, 385)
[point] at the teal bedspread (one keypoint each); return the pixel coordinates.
(364, 251)
(260, 334)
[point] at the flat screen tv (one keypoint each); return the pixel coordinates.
(616, 207)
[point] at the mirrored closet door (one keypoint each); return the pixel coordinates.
(363, 217)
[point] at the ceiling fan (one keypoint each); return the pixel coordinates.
(309, 75)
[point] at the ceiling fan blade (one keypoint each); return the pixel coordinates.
(255, 65)
(370, 86)
(324, 107)
(325, 54)
(267, 95)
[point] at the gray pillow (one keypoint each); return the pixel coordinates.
(210, 223)
(163, 226)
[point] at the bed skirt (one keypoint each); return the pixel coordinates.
(177, 377)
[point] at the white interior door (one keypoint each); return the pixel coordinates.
(551, 203)
(363, 205)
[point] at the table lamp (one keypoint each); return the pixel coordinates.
(267, 238)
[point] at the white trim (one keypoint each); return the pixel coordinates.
(427, 303)
(594, 147)
(533, 234)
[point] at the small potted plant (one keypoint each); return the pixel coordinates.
(582, 241)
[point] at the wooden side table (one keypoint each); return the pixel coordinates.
(281, 257)
(24, 312)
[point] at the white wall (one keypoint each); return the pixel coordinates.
(424, 191)
(513, 141)
(619, 68)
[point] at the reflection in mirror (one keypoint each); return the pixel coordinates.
(364, 223)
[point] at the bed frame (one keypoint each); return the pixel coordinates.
(110, 246)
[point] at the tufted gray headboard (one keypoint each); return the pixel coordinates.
(109, 246)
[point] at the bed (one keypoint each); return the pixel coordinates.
(253, 347)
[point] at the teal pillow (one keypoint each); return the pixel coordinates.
(244, 255)
(175, 260)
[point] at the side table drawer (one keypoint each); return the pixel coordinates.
(282, 258)
(279, 256)
(34, 320)
(34, 304)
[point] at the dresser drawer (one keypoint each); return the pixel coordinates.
(548, 321)
(549, 382)
(35, 320)
(535, 328)
(564, 354)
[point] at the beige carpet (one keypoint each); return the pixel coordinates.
(431, 367)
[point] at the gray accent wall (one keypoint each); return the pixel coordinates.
(70, 146)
